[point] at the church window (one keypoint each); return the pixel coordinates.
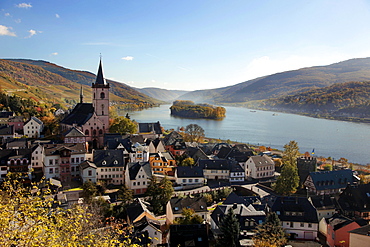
(87, 132)
(100, 132)
(102, 95)
(94, 132)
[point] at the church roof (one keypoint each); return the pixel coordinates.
(100, 81)
(80, 114)
(74, 132)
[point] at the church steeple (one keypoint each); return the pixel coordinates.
(81, 96)
(100, 77)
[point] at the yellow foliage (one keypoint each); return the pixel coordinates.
(31, 219)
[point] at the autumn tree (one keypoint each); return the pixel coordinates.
(159, 193)
(194, 133)
(30, 217)
(270, 233)
(288, 181)
(187, 162)
(229, 227)
(188, 217)
(122, 125)
(89, 191)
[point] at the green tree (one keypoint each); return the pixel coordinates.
(189, 217)
(194, 133)
(270, 233)
(291, 153)
(89, 191)
(229, 227)
(122, 125)
(288, 181)
(125, 194)
(159, 193)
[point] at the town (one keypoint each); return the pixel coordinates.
(174, 188)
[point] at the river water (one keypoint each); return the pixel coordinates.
(327, 137)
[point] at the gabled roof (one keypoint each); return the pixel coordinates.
(134, 168)
(198, 204)
(36, 120)
(109, 158)
(195, 153)
(332, 179)
(154, 128)
(189, 172)
(172, 138)
(235, 167)
(262, 160)
(355, 198)
(87, 164)
(7, 130)
(362, 230)
(324, 202)
(295, 209)
(80, 114)
(220, 164)
(16, 143)
(6, 154)
(338, 221)
(137, 210)
(74, 132)
(54, 149)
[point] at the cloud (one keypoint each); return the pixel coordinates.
(7, 14)
(128, 58)
(54, 54)
(24, 5)
(5, 31)
(57, 16)
(32, 33)
(18, 21)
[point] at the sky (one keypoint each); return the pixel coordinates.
(185, 45)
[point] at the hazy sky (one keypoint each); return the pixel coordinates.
(188, 44)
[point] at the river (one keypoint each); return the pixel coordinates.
(327, 137)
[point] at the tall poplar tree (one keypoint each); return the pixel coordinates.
(288, 181)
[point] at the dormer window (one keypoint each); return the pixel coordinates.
(104, 163)
(115, 162)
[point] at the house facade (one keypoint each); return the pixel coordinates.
(260, 167)
(137, 177)
(33, 127)
(110, 166)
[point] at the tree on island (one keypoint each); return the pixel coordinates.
(122, 125)
(270, 233)
(229, 227)
(159, 193)
(193, 133)
(288, 181)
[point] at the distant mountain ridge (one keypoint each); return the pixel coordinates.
(162, 94)
(53, 82)
(285, 83)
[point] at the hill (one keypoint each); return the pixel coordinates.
(346, 101)
(162, 94)
(62, 85)
(285, 83)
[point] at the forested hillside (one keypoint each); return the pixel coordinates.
(286, 83)
(61, 85)
(350, 99)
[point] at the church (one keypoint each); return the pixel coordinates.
(91, 119)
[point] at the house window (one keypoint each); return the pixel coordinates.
(89, 173)
(72, 169)
(51, 170)
(302, 224)
(134, 183)
(51, 162)
(291, 224)
(184, 180)
(56, 170)
(309, 225)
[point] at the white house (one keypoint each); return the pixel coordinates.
(189, 176)
(110, 166)
(33, 127)
(137, 177)
(88, 171)
(259, 166)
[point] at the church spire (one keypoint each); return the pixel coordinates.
(99, 77)
(81, 96)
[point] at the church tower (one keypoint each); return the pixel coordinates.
(101, 98)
